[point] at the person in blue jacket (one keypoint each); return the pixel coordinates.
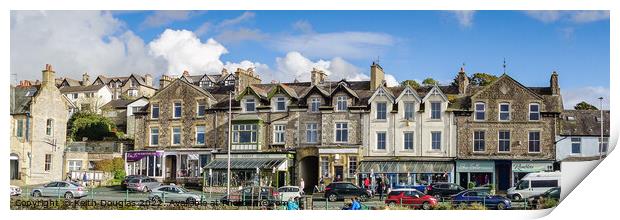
(355, 204)
(292, 205)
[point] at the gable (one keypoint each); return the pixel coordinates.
(181, 88)
(408, 91)
(506, 88)
(381, 92)
(435, 91)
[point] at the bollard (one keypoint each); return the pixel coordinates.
(126, 195)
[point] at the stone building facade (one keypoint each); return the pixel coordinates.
(39, 117)
(505, 130)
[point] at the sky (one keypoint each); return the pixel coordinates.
(286, 45)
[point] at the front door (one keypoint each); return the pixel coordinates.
(14, 169)
(171, 167)
(503, 170)
(338, 172)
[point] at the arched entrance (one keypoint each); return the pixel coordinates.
(309, 172)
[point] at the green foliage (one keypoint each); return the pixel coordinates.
(429, 82)
(472, 206)
(90, 125)
(414, 84)
(482, 79)
(585, 106)
(443, 206)
(549, 203)
(471, 185)
(115, 166)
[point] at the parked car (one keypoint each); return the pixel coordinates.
(534, 184)
(443, 190)
(483, 197)
(252, 195)
(66, 189)
(15, 190)
(173, 193)
(553, 193)
(421, 188)
(286, 193)
(410, 197)
(142, 184)
(341, 190)
(129, 177)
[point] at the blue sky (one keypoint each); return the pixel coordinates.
(283, 45)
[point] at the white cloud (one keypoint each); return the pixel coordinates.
(184, 51)
(242, 18)
(161, 18)
(464, 17)
(241, 34)
(75, 42)
(589, 94)
(568, 16)
(351, 45)
(303, 26)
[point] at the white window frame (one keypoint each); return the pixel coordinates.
(172, 133)
(174, 112)
(153, 107)
(529, 116)
(342, 101)
(198, 105)
(315, 101)
(484, 141)
(73, 165)
(379, 133)
(352, 160)
(247, 101)
(312, 133)
(204, 132)
(382, 113)
(237, 128)
(499, 110)
(47, 166)
(483, 111)
(278, 101)
(433, 141)
(405, 133)
(579, 141)
(151, 133)
(336, 130)
(435, 110)
(412, 111)
(499, 141)
(279, 134)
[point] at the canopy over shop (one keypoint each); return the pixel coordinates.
(408, 172)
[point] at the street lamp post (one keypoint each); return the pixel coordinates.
(600, 143)
(229, 142)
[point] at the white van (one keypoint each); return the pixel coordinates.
(534, 184)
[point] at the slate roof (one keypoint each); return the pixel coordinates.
(583, 123)
(89, 88)
(21, 98)
(117, 103)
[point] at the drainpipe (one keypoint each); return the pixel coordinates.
(393, 134)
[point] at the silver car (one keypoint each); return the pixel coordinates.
(174, 193)
(143, 184)
(66, 189)
(15, 190)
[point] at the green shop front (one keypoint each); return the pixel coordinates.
(522, 168)
(479, 172)
(250, 169)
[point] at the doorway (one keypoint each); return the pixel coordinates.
(503, 170)
(338, 172)
(171, 167)
(309, 170)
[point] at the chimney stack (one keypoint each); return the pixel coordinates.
(245, 78)
(85, 79)
(148, 79)
(317, 76)
(377, 76)
(185, 73)
(48, 76)
(164, 81)
(555, 86)
(463, 82)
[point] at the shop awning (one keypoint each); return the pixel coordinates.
(405, 167)
(246, 163)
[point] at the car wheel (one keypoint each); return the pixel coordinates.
(332, 197)
(68, 195)
(191, 200)
(392, 204)
(363, 198)
(36, 194)
(426, 206)
(501, 206)
(517, 197)
(156, 199)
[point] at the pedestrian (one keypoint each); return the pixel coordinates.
(292, 205)
(366, 183)
(322, 183)
(355, 204)
(85, 179)
(68, 177)
(380, 188)
(302, 184)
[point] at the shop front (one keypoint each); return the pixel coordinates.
(338, 164)
(478, 172)
(522, 168)
(178, 166)
(145, 163)
(250, 169)
(407, 173)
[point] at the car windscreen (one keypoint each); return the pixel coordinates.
(134, 181)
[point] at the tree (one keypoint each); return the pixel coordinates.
(429, 82)
(414, 84)
(585, 106)
(115, 166)
(90, 125)
(482, 79)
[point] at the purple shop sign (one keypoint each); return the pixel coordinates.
(138, 155)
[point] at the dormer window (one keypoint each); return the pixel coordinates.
(480, 111)
(534, 112)
(250, 105)
(435, 110)
(341, 103)
(504, 111)
(381, 110)
(280, 104)
(409, 110)
(315, 103)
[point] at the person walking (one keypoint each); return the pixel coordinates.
(380, 189)
(292, 205)
(355, 204)
(302, 185)
(85, 179)
(366, 183)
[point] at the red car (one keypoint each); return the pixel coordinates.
(411, 197)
